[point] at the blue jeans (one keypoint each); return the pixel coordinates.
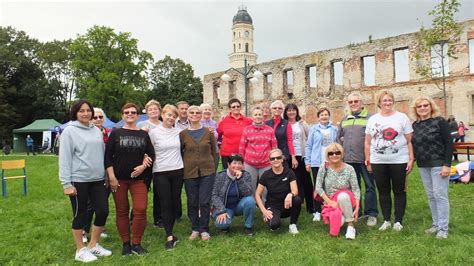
(436, 188)
(246, 207)
(198, 192)
(370, 196)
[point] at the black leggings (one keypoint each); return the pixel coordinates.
(279, 212)
(97, 193)
(388, 178)
(169, 186)
(305, 186)
(317, 205)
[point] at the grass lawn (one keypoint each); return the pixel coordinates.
(36, 229)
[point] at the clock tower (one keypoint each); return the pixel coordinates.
(242, 40)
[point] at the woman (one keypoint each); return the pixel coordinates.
(337, 185)
(81, 172)
(283, 133)
(98, 120)
(266, 112)
(462, 131)
(433, 150)
(282, 197)
(198, 148)
(208, 122)
(153, 111)
(124, 155)
(232, 195)
(389, 155)
(319, 137)
(256, 143)
(230, 130)
(168, 170)
(300, 136)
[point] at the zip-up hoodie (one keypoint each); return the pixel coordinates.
(352, 136)
(81, 154)
(313, 147)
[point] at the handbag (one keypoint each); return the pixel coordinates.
(316, 196)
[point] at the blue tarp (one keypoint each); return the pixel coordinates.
(107, 124)
(141, 117)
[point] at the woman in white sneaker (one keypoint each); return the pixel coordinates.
(337, 185)
(282, 197)
(81, 172)
(389, 155)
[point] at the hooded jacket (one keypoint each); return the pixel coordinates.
(313, 147)
(81, 154)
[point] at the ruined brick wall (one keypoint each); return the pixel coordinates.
(460, 82)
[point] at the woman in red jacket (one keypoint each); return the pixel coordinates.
(256, 143)
(230, 130)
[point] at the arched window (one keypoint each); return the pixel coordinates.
(240, 47)
(234, 48)
(246, 47)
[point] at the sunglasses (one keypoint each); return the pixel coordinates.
(423, 105)
(354, 101)
(130, 113)
(332, 153)
(277, 108)
(235, 106)
(98, 117)
(276, 158)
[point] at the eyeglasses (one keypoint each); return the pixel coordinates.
(276, 158)
(277, 108)
(98, 117)
(332, 153)
(354, 101)
(195, 113)
(423, 105)
(235, 106)
(129, 112)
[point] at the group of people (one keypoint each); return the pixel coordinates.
(267, 162)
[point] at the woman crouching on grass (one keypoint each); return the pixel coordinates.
(337, 184)
(126, 149)
(81, 172)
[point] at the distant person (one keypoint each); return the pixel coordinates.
(230, 130)
(211, 124)
(81, 172)
(182, 122)
(433, 147)
(462, 131)
(266, 112)
(6, 149)
(30, 145)
(453, 129)
(351, 136)
(282, 197)
(232, 195)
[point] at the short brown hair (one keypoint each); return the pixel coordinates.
(153, 102)
(320, 111)
(130, 105)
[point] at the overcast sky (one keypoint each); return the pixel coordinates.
(199, 32)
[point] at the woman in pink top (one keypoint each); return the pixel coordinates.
(256, 143)
(461, 131)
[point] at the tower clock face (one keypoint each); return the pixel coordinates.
(247, 33)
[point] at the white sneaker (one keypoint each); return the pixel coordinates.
(351, 233)
(104, 235)
(293, 230)
(386, 225)
(371, 221)
(84, 255)
(316, 217)
(98, 250)
(397, 227)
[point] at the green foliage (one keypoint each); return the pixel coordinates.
(173, 80)
(445, 32)
(36, 229)
(109, 69)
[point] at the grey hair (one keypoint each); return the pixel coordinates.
(99, 110)
(205, 105)
(279, 102)
(356, 94)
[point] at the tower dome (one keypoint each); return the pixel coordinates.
(242, 16)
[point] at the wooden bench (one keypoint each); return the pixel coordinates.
(464, 148)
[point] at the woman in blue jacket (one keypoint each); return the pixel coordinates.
(319, 137)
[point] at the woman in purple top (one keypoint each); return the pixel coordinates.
(208, 122)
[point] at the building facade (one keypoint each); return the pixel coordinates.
(325, 78)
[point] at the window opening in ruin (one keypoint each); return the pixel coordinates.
(337, 72)
(368, 70)
(231, 89)
(311, 76)
(267, 84)
(471, 56)
(439, 60)
(400, 62)
(289, 77)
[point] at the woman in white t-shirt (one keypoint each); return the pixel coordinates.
(389, 154)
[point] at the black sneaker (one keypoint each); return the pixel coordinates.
(126, 249)
(170, 244)
(139, 250)
(159, 223)
(249, 231)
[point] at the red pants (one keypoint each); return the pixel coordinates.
(138, 191)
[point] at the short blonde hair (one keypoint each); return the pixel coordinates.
(276, 150)
(382, 93)
(205, 105)
(435, 111)
(194, 107)
(99, 110)
(334, 147)
(170, 108)
(153, 102)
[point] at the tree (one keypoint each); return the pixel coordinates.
(440, 42)
(173, 80)
(109, 69)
